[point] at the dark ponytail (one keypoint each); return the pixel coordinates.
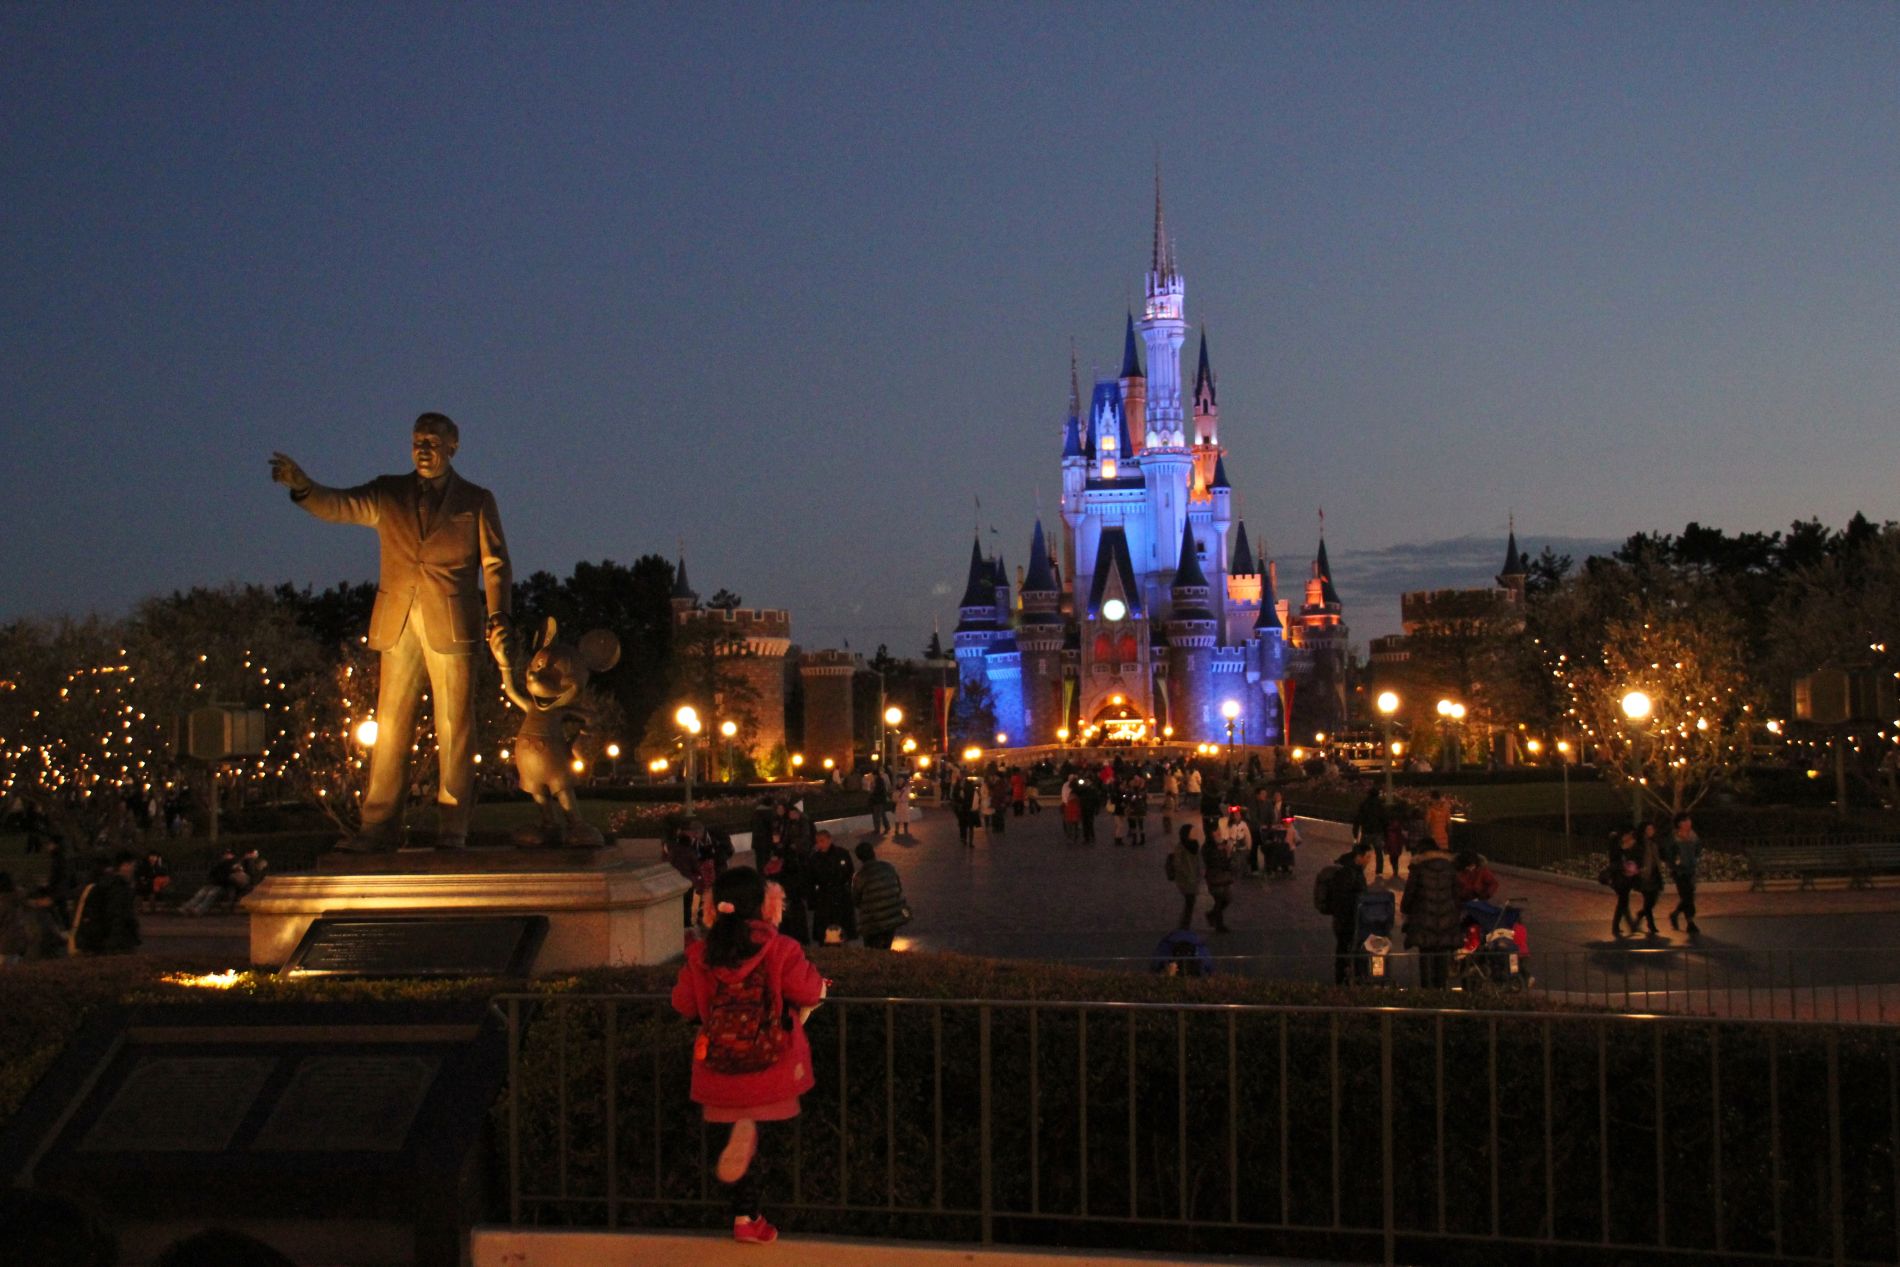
(729, 941)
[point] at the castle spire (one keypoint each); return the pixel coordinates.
(1041, 578)
(1162, 261)
(1513, 561)
(981, 589)
(1269, 617)
(1243, 554)
(1075, 382)
(682, 592)
(1188, 573)
(1204, 380)
(1131, 360)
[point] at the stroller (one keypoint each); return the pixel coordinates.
(1372, 936)
(1183, 953)
(1277, 854)
(1496, 953)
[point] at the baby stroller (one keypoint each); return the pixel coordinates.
(1372, 936)
(1277, 856)
(1183, 953)
(1496, 953)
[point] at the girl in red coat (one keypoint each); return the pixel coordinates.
(749, 987)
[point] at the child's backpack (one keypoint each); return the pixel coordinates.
(1323, 888)
(745, 1031)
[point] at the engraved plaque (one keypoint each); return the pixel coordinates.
(186, 1104)
(419, 946)
(349, 1103)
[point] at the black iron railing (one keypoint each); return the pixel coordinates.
(1397, 1133)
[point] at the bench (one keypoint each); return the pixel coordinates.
(1856, 862)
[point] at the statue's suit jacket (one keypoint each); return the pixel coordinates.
(446, 572)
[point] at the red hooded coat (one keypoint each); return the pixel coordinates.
(795, 983)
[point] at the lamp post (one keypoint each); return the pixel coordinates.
(1230, 710)
(1388, 703)
(891, 718)
(1563, 763)
(1451, 713)
(728, 729)
(613, 755)
(798, 761)
(688, 720)
(1636, 707)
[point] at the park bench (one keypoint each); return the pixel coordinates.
(1857, 862)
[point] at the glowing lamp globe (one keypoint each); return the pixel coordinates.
(1388, 702)
(893, 716)
(613, 751)
(728, 728)
(1636, 705)
(1230, 709)
(688, 719)
(366, 733)
(1114, 609)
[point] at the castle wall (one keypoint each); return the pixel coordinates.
(830, 725)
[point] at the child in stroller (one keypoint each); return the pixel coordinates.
(1496, 953)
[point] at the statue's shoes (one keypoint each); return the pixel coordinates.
(377, 839)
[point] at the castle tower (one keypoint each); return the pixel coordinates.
(1164, 329)
(1192, 710)
(1243, 592)
(1269, 655)
(1207, 446)
(976, 618)
(1115, 652)
(1039, 639)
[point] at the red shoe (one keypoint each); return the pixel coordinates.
(753, 1231)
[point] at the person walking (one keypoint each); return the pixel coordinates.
(1434, 922)
(1368, 822)
(1071, 811)
(1018, 793)
(1089, 792)
(1684, 854)
(1398, 838)
(1649, 878)
(1342, 906)
(877, 795)
(749, 987)
(1626, 858)
(965, 800)
(1184, 868)
(878, 894)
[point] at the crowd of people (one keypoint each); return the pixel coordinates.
(1638, 857)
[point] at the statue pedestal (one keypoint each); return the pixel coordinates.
(606, 908)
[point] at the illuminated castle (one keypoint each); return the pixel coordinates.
(1141, 622)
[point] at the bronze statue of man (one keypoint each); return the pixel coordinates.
(443, 552)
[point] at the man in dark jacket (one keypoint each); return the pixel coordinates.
(1342, 905)
(1368, 824)
(109, 919)
(1434, 921)
(878, 892)
(828, 886)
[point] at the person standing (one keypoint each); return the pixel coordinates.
(878, 893)
(1018, 793)
(1434, 922)
(1217, 869)
(107, 922)
(829, 884)
(1368, 822)
(965, 800)
(877, 799)
(1342, 906)
(1184, 868)
(442, 554)
(1685, 855)
(1649, 878)
(1135, 806)
(748, 987)
(1089, 792)
(901, 811)
(1438, 820)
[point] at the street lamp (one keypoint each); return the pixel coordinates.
(366, 733)
(1230, 710)
(613, 755)
(729, 729)
(1388, 703)
(687, 717)
(798, 760)
(972, 755)
(1001, 738)
(1062, 734)
(1563, 764)
(1452, 713)
(1636, 706)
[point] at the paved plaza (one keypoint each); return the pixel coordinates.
(1026, 893)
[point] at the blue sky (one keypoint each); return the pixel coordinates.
(793, 284)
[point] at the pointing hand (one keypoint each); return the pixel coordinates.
(285, 471)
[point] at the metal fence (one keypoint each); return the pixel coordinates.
(1413, 1134)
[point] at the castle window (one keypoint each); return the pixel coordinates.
(1104, 649)
(1128, 649)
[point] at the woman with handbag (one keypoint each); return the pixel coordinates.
(878, 893)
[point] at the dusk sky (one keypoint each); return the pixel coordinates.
(793, 284)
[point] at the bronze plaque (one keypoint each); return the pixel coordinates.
(180, 1104)
(419, 946)
(349, 1104)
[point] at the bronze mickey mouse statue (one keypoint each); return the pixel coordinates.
(550, 694)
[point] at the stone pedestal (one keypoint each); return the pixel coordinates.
(606, 908)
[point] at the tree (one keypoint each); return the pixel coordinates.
(1695, 736)
(724, 600)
